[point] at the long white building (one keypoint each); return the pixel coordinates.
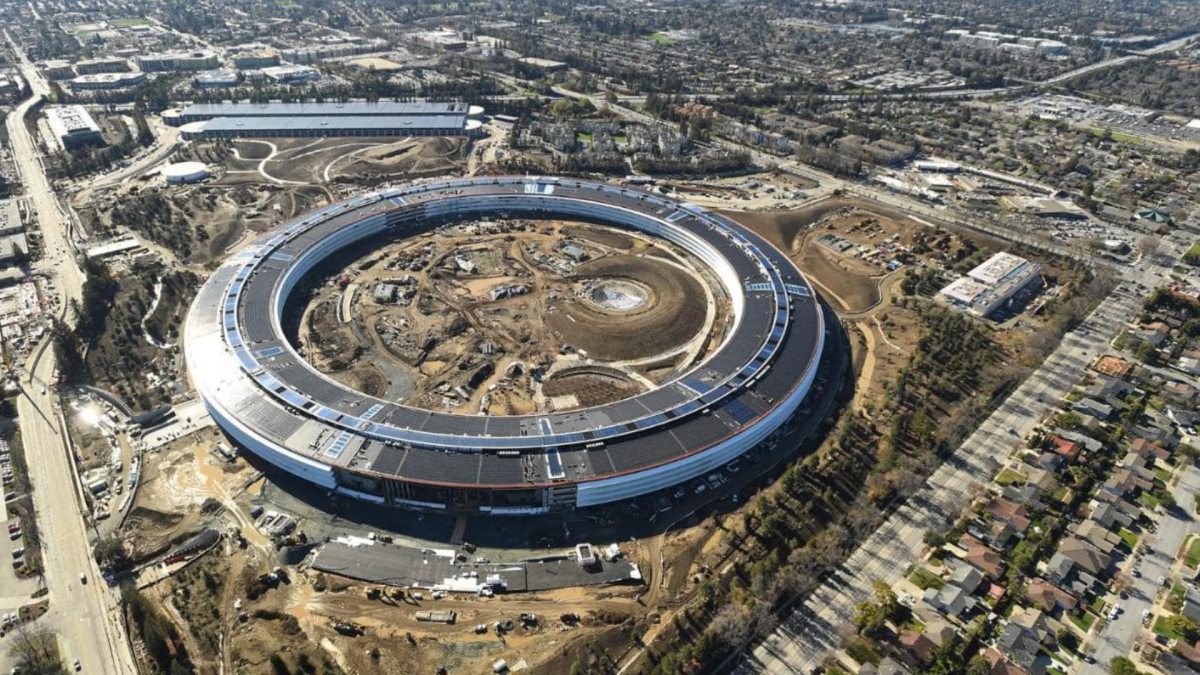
(73, 126)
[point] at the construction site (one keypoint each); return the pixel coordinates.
(524, 302)
(512, 317)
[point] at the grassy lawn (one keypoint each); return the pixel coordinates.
(1192, 557)
(584, 137)
(1129, 538)
(1118, 136)
(1148, 500)
(129, 23)
(923, 579)
(1193, 254)
(1161, 627)
(1008, 477)
(1162, 474)
(1083, 620)
(660, 39)
(1097, 604)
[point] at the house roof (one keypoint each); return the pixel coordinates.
(1065, 446)
(919, 646)
(1046, 595)
(1010, 512)
(978, 554)
(1084, 554)
(1019, 645)
(1112, 366)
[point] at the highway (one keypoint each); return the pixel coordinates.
(85, 616)
(985, 92)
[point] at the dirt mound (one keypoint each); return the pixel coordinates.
(146, 518)
(673, 318)
(591, 386)
(600, 236)
(334, 342)
(365, 377)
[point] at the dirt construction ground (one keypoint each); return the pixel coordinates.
(675, 317)
(307, 161)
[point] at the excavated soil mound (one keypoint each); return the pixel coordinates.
(671, 318)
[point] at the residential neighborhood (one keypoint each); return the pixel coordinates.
(1080, 552)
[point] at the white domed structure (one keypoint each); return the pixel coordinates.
(185, 172)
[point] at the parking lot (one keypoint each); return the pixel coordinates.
(15, 592)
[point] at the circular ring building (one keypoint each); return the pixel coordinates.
(274, 403)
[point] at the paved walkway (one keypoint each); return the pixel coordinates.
(802, 641)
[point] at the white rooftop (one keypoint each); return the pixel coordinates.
(995, 268)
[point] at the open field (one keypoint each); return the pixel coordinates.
(851, 291)
(349, 160)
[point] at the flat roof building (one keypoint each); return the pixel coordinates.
(57, 69)
(10, 217)
(256, 58)
(73, 126)
(13, 245)
(328, 126)
(216, 78)
(92, 81)
(992, 284)
(200, 112)
(291, 74)
(322, 52)
(177, 61)
(102, 65)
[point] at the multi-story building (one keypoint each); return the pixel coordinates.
(262, 57)
(73, 126)
(102, 65)
(992, 284)
(92, 81)
(178, 61)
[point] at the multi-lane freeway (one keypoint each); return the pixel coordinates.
(83, 615)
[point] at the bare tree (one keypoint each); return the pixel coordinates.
(732, 624)
(1148, 245)
(35, 651)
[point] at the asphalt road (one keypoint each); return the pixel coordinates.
(83, 615)
(1117, 637)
